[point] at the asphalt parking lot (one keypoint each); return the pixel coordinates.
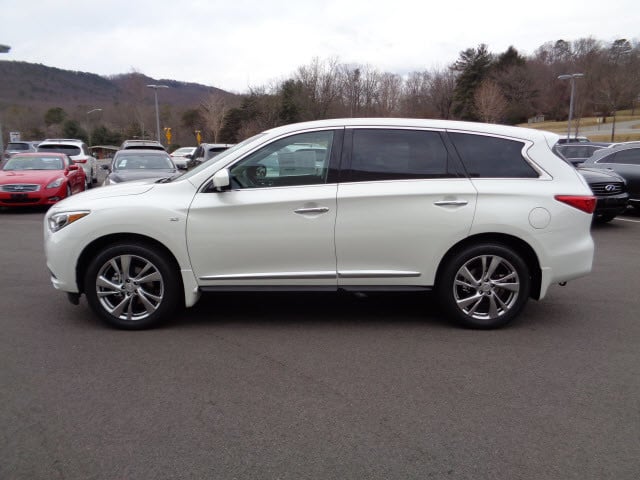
(321, 386)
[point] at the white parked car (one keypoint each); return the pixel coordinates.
(180, 158)
(78, 151)
(485, 215)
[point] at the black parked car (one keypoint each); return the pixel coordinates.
(623, 160)
(609, 188)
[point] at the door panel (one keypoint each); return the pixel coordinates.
(395, 232)
(264, 236)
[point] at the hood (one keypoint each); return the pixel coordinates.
(41, 177)
(599, 175)
(130, 175)
(80, 200)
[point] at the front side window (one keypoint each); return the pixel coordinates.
(301, 159)
(380, 154)
(491, 157)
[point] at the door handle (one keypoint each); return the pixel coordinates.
(303, 211)
(455, 203)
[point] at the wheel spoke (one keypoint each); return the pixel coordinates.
(125, 260)
(106, 283)
(118, 309)
(152, 277)
(465, 302)
(464, 272)
(495, 263)
(148, 305)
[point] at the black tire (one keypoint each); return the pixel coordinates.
(116, 293)
(69, 192)
(484, 286)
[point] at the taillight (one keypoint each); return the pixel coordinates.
(84, 160)
(586, 203)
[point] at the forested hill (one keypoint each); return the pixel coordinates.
(23, 83)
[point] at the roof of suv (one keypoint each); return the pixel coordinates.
(73, 141)
(144, 144)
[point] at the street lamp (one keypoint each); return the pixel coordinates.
(3, 49)
(572, 77)
(88, 125)
(155, 91)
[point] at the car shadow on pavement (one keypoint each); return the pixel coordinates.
(321, 308)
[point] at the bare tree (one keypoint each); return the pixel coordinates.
(214, 109)
(490, 104)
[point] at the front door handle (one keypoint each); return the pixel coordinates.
(455, 203)
(304, 211)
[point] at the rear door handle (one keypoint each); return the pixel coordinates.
(455, 203)
(303, 211)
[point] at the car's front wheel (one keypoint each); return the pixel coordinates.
(484, 286)
(132, 286)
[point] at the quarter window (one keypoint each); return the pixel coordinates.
(301, 159)
(397, 154)
(492, 157)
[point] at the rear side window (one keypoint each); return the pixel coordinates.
(492, 157)
(70, 150)
(379, 154)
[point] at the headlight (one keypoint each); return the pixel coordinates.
(58, 221)
(56, 183)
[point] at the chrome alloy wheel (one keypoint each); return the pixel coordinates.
(129, 287)
(486, 287)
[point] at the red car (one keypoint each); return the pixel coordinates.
(30, 179)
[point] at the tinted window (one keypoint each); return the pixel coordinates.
(296, 160)
(397, 154)
(631, 156)
(18, 146)
(67, 149)
(492, 157)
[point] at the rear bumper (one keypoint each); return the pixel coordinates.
(611, 205)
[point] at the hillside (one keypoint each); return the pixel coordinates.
(36, 85)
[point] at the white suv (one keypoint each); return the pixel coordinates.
(78, 151)
(485, 215)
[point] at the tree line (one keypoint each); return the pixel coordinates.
(506, 87)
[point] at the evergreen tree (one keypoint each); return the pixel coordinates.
(474, 67)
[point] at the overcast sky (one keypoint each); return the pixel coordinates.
(237, 44)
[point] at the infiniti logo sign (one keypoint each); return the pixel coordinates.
(610, 188)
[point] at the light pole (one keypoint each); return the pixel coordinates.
(572, 77)
(88, 125)
(155, 91)
(3, 49)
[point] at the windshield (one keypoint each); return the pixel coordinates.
(221, 156)
(142, 162)
(34, 163)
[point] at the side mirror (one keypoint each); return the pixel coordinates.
(221, 180)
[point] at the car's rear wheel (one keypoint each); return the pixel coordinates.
(484, 286)
(132, 286)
